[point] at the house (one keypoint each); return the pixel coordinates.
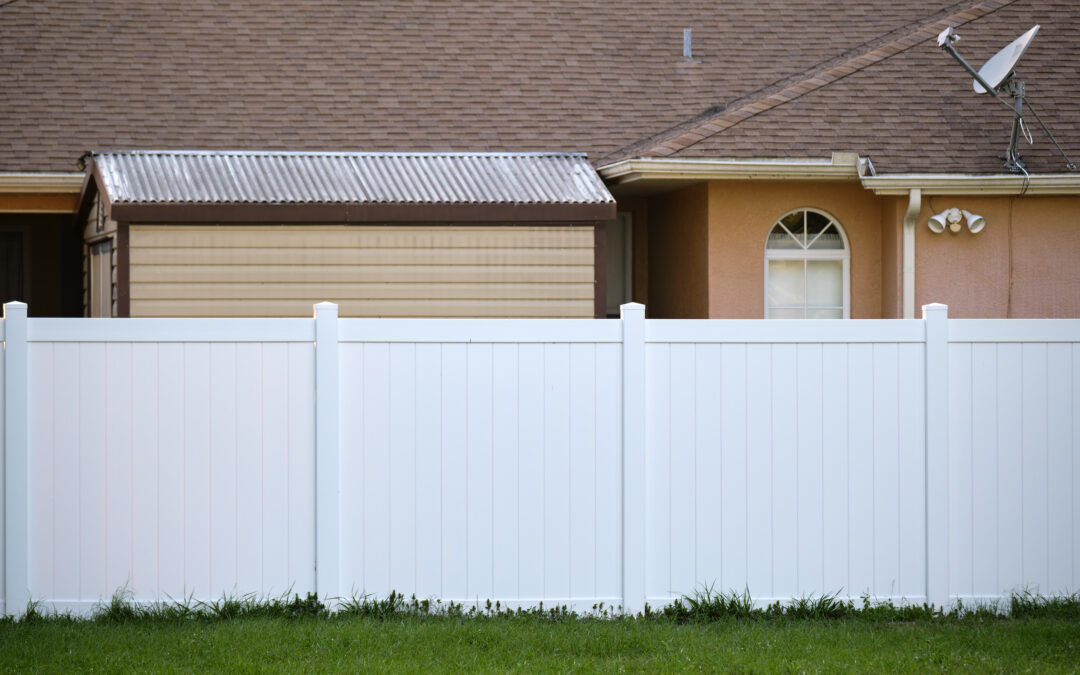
(779, 160)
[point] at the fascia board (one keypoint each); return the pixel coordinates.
(41, 183)
(649, 169)
(959, 184)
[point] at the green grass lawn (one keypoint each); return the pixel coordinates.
(411, 643)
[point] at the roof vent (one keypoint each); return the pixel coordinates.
(687, 44)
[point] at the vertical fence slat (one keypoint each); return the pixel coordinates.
(16, 466)
(633, 458)
(374, 485)
(1010, 505)
(835, 457)
(732, 484)
(403, 496)
(759, 503)
(937, 453)
(429, 470)
(479, 459)
(327, 462)
(658, 472)
(455, 510)
(505, 470)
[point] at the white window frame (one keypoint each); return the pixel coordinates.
(843, 255)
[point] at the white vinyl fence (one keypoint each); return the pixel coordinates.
(559, 461)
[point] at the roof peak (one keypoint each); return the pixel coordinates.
(713, 122)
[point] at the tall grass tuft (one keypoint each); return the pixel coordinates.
(705, 605)
(1025, 605)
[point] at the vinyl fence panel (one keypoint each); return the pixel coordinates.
(1014, 470)
(167, 468)
(573, 462)
(483, 461)
(786, 467)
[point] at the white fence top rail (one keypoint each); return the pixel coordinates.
(480, 330)
(1014, 330)
(170, 330)
(784, 330)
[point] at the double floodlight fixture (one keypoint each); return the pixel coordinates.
(953, 220)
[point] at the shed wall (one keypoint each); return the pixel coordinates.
(389, 271)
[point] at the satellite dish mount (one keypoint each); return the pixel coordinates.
(998, 76)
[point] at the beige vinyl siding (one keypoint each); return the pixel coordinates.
(392, 271)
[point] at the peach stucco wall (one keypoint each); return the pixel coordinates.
(679, 254)
(1024, 264)
(706, 251)
(740, 216)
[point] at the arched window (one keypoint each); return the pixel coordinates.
(806, 268)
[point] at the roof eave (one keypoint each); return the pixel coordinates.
(842, 166)
(183, 212)
(971, 184)
(41, 183)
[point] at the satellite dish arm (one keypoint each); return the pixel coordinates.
(945, 40)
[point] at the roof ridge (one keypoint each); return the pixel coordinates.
(871, 52)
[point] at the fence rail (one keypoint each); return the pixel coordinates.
(564, 461)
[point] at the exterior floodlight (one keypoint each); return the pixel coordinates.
(954, 218)
(975, 222)
(948, 218)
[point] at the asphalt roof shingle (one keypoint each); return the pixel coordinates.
(510, 75)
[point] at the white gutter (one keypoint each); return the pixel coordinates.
(959, 184)
(41, 183)
(914, 204)
(842, 166)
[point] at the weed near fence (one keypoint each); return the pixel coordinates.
(709, 631)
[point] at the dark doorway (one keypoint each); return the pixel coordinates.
(11, 266)
(41, 263)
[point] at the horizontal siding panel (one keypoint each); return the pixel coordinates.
(318, 292)
(358, 274)
(365, 256)
(326, 236)
(372, 308)
(423, 271)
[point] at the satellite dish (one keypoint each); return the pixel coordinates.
(997, 76)
(999, 69)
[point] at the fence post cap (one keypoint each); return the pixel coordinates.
(934, 307)
(323, 307)
(14, 307)
(631, 309)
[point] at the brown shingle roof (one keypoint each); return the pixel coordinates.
(776, 78)
(913, 110)
(499, 75)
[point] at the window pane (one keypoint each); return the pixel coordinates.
(825, 313)
(815, 222)
(825, 283)
(829, 239)
(778, 238)
(785, 313)
(786, 283)
(796, 223)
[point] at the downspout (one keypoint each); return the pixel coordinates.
(914, 205)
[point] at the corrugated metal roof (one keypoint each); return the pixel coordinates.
(242, 177)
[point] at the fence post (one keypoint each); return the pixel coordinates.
(16, 469)
(936, 317)
(633, 457)
(327, 458)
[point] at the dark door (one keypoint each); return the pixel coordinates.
(11, 266)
